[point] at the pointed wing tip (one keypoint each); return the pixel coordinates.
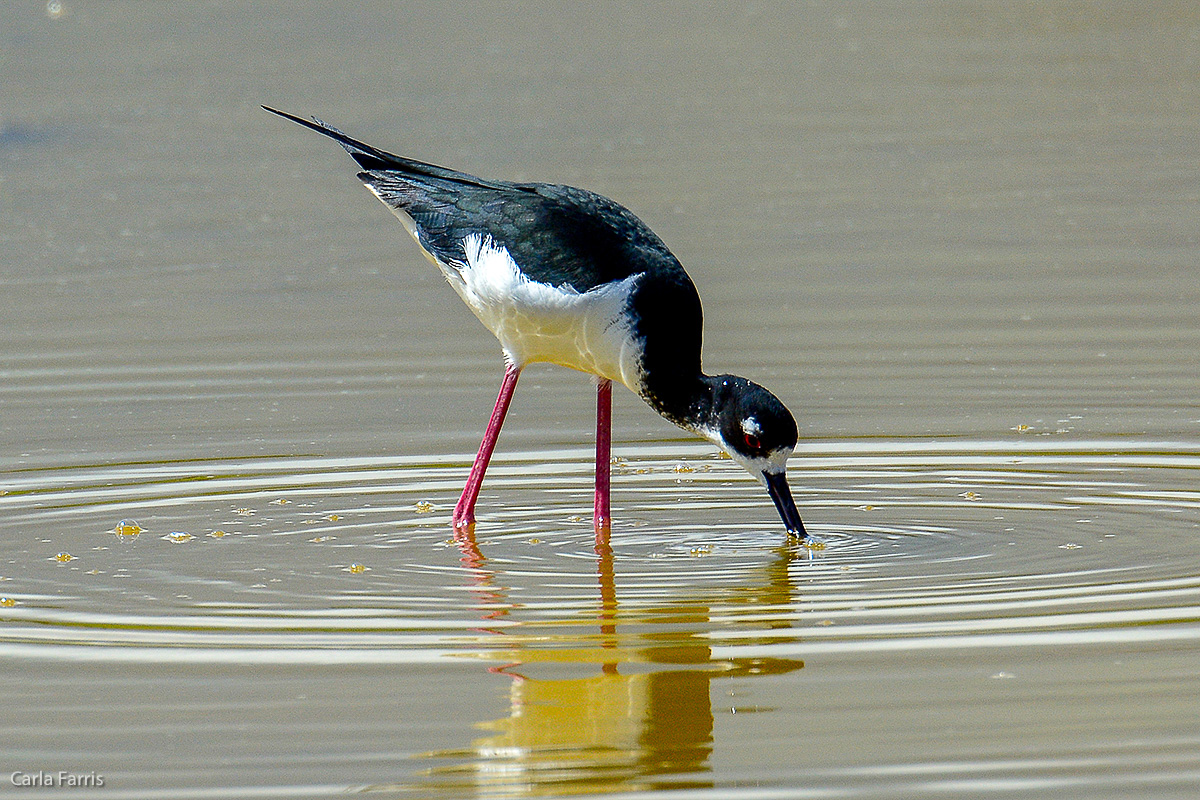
(284, 114)
(352, 146)
(315, 124)
(373, 159)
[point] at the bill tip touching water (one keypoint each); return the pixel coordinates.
(565, 276)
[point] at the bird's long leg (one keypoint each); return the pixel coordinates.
(603, 516)
(464, 512)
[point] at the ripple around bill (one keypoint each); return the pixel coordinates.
(948, 544)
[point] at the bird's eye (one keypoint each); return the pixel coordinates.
(752, 442)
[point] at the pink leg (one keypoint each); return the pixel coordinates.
(464, 512)
(603, 516)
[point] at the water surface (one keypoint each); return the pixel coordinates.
(959, 242)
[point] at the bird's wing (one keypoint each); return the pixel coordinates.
(556, 234)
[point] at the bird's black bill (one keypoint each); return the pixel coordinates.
(781, 494)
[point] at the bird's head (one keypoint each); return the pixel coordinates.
(757, 431)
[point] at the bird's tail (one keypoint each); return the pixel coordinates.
(373, 159)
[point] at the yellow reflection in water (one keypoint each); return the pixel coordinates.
(639, 717)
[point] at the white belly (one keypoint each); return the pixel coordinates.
(587, 331)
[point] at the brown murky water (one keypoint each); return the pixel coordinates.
(960, 240)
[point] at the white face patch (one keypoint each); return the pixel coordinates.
(750, 427)
(775, 462)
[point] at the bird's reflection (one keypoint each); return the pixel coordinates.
(491, 598)
(624, 704)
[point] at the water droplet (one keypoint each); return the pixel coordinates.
(357, 569)
(127, 527)
(178, 537)
(64, 557)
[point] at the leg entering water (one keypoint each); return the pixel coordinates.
(464, 512)
(603, 516)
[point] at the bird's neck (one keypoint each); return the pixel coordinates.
(686, 400)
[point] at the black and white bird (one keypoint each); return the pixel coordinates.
(566, 276)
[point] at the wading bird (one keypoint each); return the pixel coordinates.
(565, 276)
